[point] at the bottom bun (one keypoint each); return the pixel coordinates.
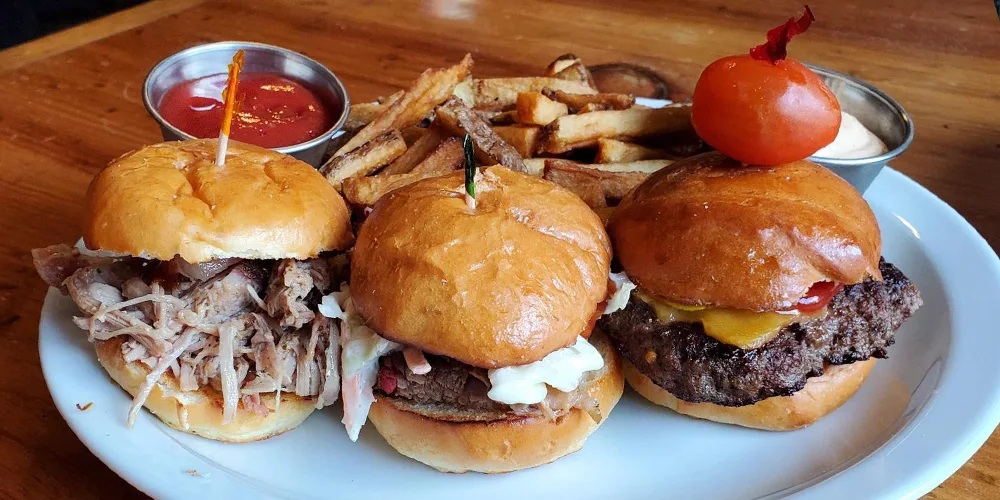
(820, 396)
(200, 412)
(500, 445)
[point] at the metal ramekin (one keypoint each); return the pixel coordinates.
(877, 112)
(212, 58)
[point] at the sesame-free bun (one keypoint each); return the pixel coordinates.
(499, 445)
(200, 412)
(709, 231)
(171, 199)
(503, 284)
(820, 396)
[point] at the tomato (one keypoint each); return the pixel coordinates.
(764, 113)
(818, 296)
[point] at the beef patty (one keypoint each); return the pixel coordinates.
(457, 392)
(679, 357)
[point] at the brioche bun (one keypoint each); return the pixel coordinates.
(203, 407)
(820, 396)
(499, 445)
(503, 284)
(171, 199)
(709, 231)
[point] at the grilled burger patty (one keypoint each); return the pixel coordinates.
(457, 392)
(679, 357)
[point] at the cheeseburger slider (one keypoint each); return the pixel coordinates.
(198, 285)
(759, 297)
(468, 329)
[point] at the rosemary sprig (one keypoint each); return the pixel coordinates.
(470, 171)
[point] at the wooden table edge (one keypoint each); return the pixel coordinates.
(69, 39)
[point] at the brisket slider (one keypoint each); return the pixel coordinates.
(474, 324)
(762, 299)
(198, 285)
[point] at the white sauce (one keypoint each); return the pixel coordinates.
(853, 141)
(623, 290)
(562, 369)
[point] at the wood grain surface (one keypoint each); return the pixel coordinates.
(71, 102)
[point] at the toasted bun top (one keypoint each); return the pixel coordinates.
(709, 231)
(503, 284)
(171, 199)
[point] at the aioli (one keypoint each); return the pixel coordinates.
(853, 141)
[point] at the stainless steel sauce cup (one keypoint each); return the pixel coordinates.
(879, 113)
(212, 58)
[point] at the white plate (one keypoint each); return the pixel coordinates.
(920, 416)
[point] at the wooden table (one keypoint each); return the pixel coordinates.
(71, 102)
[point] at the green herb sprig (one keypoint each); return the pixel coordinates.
(470, 171)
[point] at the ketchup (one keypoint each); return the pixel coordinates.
(273, 111)
(818, 296)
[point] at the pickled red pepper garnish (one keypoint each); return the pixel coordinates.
(775, 48)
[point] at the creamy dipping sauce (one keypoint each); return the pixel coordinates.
(853, 141)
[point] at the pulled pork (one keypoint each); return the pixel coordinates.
(206, 324)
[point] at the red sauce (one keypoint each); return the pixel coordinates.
(818, 296)
(274, 111)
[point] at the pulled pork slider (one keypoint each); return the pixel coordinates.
(199, 284)
(751, 295)
(473, 325)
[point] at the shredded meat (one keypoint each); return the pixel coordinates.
(203, 323)
(291, 282)
(291, 286)
(56, 263)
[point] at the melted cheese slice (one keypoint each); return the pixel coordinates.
(736, 327)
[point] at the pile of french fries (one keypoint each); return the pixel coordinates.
(558, 126)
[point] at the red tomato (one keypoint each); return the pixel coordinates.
(764, 113)
(818, 296)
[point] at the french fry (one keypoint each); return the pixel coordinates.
(534, 108)
(577, 72)
(505, 118)
(336, 142)
(615, 179)
(430, 90)
(641, 166)
(594, 106)
(523, 138)
(458, 119)
(416, 153)
(577, 102)
(363, 113)
(464, 92)
(365, 191)
(562, 62)
(535, 166)
(501, 93)
(365, 159)
(612, 151)
(446, 157)
(584, 183)
(413, 134)
(575, 131)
